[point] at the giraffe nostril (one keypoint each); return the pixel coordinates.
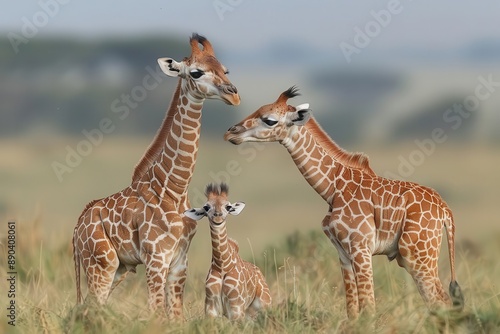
(235, 129)
(230, 89)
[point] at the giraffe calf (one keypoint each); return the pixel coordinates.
(234, 288)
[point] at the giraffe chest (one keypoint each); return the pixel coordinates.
(136, 226)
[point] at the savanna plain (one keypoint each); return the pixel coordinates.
(279, 230)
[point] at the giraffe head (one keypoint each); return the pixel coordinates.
(271, 122)
(204, 76)
(217, 206)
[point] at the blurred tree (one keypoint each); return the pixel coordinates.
(423, 121)
(70, 84)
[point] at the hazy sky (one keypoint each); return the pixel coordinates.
(255, 23)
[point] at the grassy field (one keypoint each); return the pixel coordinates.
(279, 230)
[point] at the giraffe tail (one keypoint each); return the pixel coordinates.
(454, 289)
(76, 254)
(76, 258)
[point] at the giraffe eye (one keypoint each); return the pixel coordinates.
(196, 74)
(269, 121)
(206, 208)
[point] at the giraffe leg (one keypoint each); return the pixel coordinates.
(233, 302)
(262, 296)
(213, 302)
(351, 289)
(362, 267)
(430, 287)
(156, 277)
(176, 281)
(213, 291)
(348, 276)
(421, 263)
(235, 309)
(100, 269)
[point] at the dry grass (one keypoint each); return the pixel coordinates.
(279, 230)
(303, 275)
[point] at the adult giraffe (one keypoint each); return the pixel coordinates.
(368, 214)
(145, 223)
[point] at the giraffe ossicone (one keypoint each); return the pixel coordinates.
(145, 223)
(368, 214)
(234, 287)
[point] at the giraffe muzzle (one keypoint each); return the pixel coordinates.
(232, 134)
(229, 93)
(217, 218)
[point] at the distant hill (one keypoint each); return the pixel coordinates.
(71, 83)
(66, 85)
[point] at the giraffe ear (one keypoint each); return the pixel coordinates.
(235, 208)
(195, 214)
(170, 67)
(301, 115)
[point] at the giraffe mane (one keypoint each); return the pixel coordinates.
(88, 206)
(356, 160)
(155, 147)
(216, 189)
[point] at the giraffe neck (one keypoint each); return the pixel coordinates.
(313, 161)
(170, 173)
(154, 149)
(222, 253)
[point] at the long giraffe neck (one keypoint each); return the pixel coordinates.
(154, 149)
(314, 161)
(171, 171)
(222, 252)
